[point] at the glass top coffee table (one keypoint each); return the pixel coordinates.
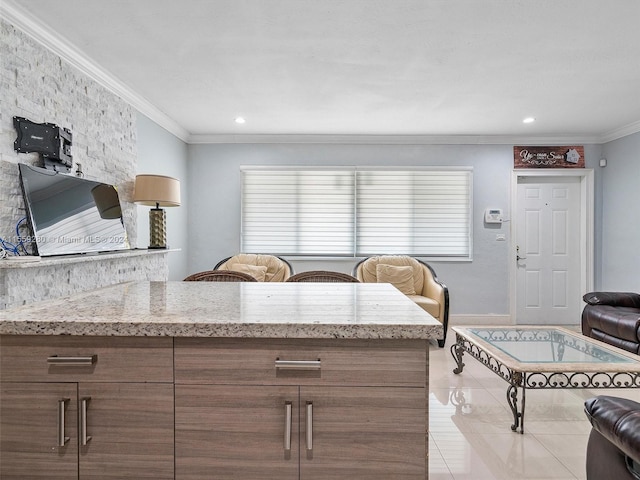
(545, 357)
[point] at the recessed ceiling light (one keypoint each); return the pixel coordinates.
(240, 120)
(529, 120)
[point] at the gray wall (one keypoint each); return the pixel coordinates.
(160, 152)
(620, 232)
(479, 287)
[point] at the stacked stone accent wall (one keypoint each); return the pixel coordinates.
(38, 85)
(24, 283)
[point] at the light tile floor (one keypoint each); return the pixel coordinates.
(470, 435)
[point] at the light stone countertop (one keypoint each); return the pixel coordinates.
(57, 260)
(218, 309)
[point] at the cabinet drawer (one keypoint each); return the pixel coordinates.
(301, 362)
(44, 358)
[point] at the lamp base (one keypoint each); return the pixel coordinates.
(157, 228)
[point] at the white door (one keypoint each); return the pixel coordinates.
(548, 249)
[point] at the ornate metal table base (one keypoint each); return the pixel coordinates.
(523, 380)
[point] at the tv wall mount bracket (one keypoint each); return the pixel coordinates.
(51, 141)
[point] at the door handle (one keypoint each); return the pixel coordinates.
(298, 364)
(287, 426)
(518, 257)
(61, 438)
(309, 426)
(84, 406)
(79, 361)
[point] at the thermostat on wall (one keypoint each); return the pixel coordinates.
(493, 215)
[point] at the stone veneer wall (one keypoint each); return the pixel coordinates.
(25, 283)
(40, 86)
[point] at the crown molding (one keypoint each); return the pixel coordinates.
(620, 132)
(76, 58)
(397, 139)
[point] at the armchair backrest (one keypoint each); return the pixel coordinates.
(425, 282)
(219, 276)
(366, 271)
(265, 268)
(323, 276)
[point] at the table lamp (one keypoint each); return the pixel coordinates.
(157, 191)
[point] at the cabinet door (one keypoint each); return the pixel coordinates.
(30, 431)
(236, 432)
(363, 433)
(131, 430)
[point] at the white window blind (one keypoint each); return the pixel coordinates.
(298, 212)
(418, 212)
(357, 211)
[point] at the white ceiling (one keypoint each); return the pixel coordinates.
(359, 67)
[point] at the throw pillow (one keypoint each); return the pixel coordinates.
(399, 277)
(256, 271)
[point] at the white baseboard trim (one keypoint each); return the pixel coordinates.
(494, 319)
(489, 319)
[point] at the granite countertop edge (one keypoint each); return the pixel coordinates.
(230, 330)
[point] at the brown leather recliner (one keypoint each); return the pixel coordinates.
(613, 450)
(614, 318)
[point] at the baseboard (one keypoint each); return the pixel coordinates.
(493, 319)
(489, 319)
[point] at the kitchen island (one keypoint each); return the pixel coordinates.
(195, 380)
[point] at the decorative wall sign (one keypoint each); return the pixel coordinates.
(548, 157)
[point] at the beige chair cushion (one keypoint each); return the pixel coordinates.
(277, 270)
(399, 277)
(259, 272)
(369, 269)
(429, 305)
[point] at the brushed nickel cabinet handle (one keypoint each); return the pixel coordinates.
(61, 438)
(287, 426)
(309, 426)
(80, 361)
(84, 406)
(298, 364)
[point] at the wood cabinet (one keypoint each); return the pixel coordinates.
(29, 431)
(301, 409)
(86, 407)
(235, 431)
(372, 433)
(224, 408)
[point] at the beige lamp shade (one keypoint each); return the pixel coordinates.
(157, 190)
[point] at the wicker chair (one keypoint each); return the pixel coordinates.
(420, 283)
(220, 276)
(263, 267)
(321, 276)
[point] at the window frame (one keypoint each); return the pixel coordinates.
(355, 254)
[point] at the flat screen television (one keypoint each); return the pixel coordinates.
(71, 215)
